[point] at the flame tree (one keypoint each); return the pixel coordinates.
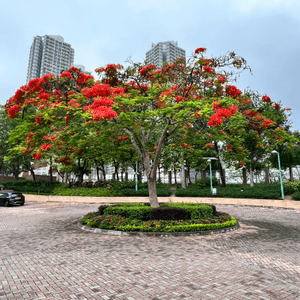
(142, 103)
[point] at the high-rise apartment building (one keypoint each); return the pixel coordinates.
(49, 54)
(164, 52)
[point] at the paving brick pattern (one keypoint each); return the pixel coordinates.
(45, 255)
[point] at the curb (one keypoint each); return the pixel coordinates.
(212, 200)
(158, 234)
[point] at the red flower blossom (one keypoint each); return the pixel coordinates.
(265, 99)
(208, 69)
(277, 106)
(147, 70)
(221, 79)
(99, 90)
(179, 99)
(46, 147)
(228, 147)
(215, 120)
(38, 119)
(233, 91)
(201, 49)
(37, 155)
(66, 74)
(209, 145)
(241, 164)
(13, 111)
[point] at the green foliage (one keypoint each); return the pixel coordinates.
(296, 195)
(168, 213)
(28, 186)
(291, 186)
(200, 227)
(96, 192)
(205, 182)
(142, 212)
(161, 192)
(267, 191)
(117, 222)
(194, 210)
(131, 212)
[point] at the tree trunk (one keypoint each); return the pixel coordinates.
(175, 176)
(220, 166)
(183, 183)
(152, 192)
(203, 173)
(170, 177)
(81, 176)
(244, 176)
(51, 173)
(291, 173)
(189, 174)
(267, 175)
(251, 176)
(33, 176)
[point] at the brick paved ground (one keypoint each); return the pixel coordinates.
(44, 255)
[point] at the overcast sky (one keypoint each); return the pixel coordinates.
(265, 32)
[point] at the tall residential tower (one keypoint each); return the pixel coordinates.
(49, 54)
(164, 52)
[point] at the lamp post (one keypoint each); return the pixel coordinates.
(210, 172)
(136, 176)
(282, 193)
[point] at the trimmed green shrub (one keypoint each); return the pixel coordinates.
(121, 223)
(96, 192)
(290, 187)
(140, 212)
(270, 191)
(200, 227)
(296, 195)
(193, 210)
(193, 192)
(161, 192)
(205, 182)
(168, 213)
(28, 186)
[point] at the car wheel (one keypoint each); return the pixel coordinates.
(22, 203)
(7, 204)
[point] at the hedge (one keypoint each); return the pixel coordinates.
(178, 228)
(142, 212)
(271, 191)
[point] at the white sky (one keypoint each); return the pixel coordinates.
(265, 32)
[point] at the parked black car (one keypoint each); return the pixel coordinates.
(9, 198)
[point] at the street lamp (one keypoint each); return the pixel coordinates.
(136, 175)
(282, 194)
(210, 173)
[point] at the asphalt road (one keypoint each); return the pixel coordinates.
(45, 255)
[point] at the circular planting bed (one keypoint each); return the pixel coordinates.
(167, 219)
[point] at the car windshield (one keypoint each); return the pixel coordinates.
(16, 194)
(2, 194)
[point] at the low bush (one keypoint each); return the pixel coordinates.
(28, 186)
(168, 213)
(161, 192)
(194, 210)
(290, 187)
(96, 192)
(296, 195)
(114, 222)
(270, 191)
(205, 182)
(140, 212)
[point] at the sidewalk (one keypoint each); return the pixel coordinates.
(233, 201)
